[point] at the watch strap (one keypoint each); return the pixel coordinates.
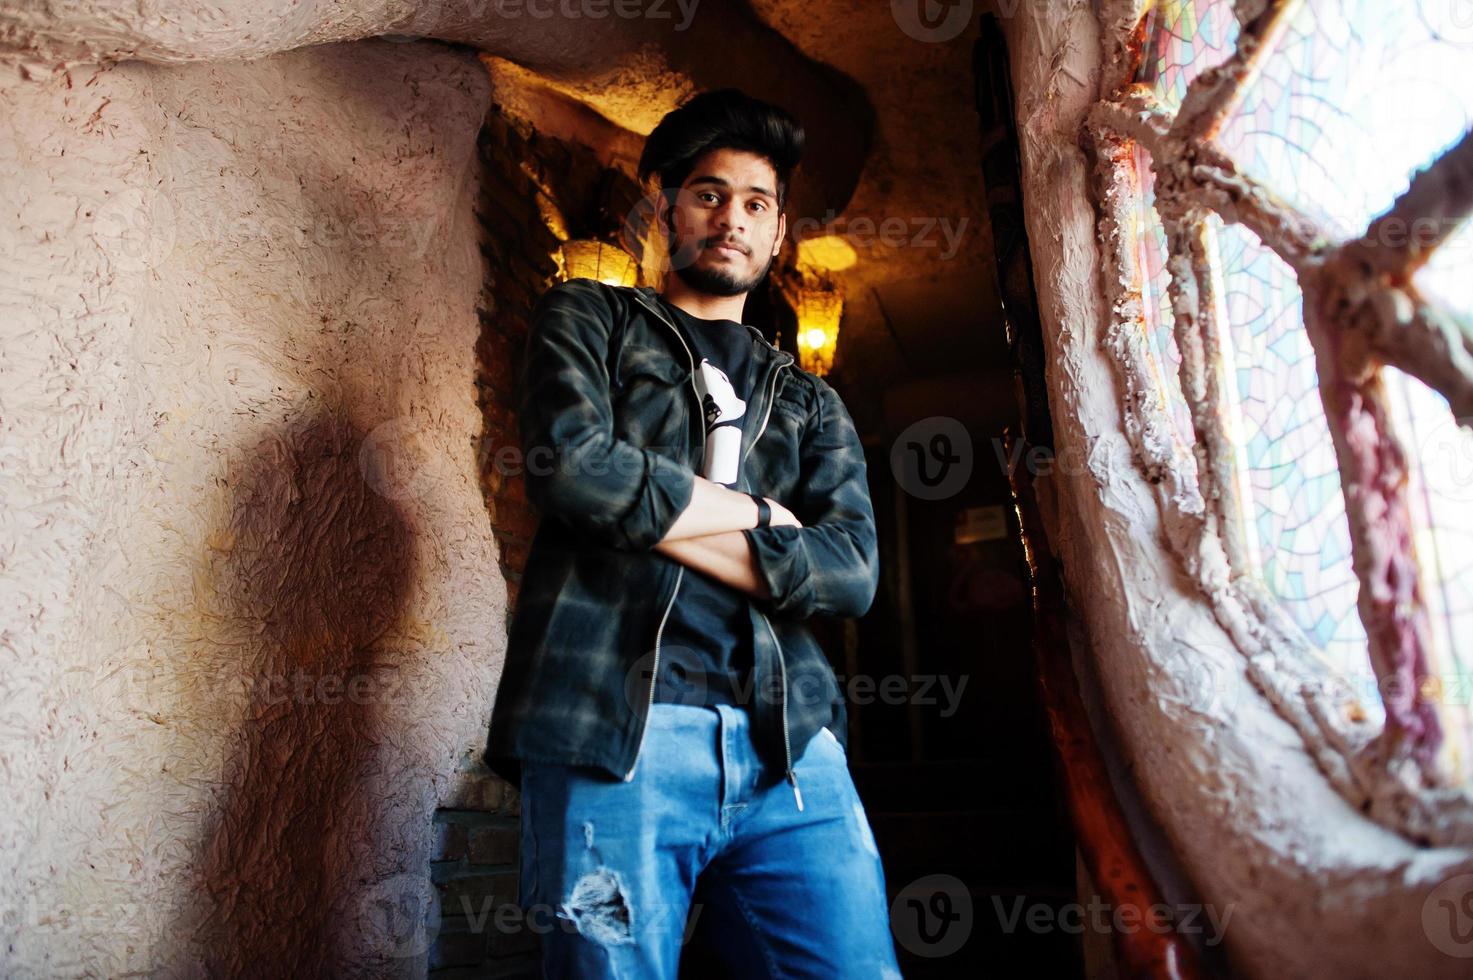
(764, 510)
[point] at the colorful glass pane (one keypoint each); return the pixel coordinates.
(1357, 95)
(1295, 513)
(1185, 39)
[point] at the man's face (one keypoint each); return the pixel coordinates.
(724, 228)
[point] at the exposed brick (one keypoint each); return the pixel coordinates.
(493, 246)
(513, 491)
(507, 205)
(521, 968)
(519, 252)
(484, 350)
(509, 344)
(458, 973)
(518, 940)
(541, 239)
(494, 845)
(458, 949)
(556, 159)
(491, 479)
(531, 268)
(500, 375)
(494, 130)
(478, 789)
(477, 895)
(450, 842)
(501, 425)
(511, 805)
(515, 323)
(513, 553)
(515, 520)
(500, 239)
(515, 297)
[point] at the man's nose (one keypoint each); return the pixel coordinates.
(731, 217)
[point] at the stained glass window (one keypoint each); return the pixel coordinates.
(1358, 96)
(1354, 98)
(1186, 39)
(1295, 515)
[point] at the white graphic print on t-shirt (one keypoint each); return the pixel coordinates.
(724, 410)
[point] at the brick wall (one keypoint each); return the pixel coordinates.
(535, 190)
(473, 865)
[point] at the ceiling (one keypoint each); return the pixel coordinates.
(894, 154)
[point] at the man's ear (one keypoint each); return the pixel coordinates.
(782, 232)
(662, 214)
(665, 211)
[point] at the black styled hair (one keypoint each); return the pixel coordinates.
(722, 119)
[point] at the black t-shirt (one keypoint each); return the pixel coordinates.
(706, 645)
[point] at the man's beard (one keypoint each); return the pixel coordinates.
(713, 282)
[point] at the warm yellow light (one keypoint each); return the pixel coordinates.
(590, 259)
(819, 306)
(832, 253)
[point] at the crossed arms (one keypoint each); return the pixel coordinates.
(817, 556)
(707, 536)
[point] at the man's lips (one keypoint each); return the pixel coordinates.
(730, 248)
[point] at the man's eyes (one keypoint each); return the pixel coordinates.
(712, 197)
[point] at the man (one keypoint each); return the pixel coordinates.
(666, 713)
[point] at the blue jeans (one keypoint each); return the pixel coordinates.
(609, 867)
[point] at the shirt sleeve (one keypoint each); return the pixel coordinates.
(829, 565)
(575, 469)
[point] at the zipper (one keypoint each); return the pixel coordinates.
(787, 747)
(659, 630)
(781, 663)
(767, 414)
(654, 671)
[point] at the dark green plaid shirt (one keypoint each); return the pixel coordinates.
(612, 436)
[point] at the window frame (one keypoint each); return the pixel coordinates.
(1361, 310)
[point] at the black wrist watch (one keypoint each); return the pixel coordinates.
(764, 510)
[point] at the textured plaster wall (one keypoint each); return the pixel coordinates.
(250, 614)
(1310, 887)
(630, 61)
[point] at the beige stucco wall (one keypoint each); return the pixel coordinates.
(237, 419)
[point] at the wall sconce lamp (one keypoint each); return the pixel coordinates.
(587, 258)
(819, 305)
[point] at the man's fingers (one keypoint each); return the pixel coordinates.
(781, 515)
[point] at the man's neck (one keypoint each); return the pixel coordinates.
(702, 306)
